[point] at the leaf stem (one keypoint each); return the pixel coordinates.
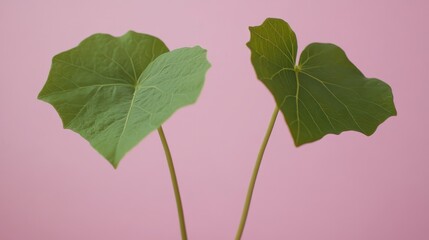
(175, 184)
(255, 175)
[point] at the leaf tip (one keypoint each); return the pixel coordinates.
(39, 96)
(114, 163)
(204, 52)
(199, 48)
(298, 143)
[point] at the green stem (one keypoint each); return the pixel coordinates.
(175, 184)
(255, 175)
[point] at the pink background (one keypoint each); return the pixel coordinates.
(53, 185)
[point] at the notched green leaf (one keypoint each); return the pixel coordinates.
(114, 91)
(324, 92)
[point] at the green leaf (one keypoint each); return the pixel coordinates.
(114, 91)
(324, 92)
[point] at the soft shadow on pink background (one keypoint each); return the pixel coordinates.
(53, 185)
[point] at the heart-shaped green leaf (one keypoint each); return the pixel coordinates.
(114, 91)
(324, 92)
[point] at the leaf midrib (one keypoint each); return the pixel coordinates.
(126, 120)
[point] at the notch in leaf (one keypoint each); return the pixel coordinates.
(114, 91)
(322, 93)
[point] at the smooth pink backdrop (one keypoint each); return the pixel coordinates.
(53, 185)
